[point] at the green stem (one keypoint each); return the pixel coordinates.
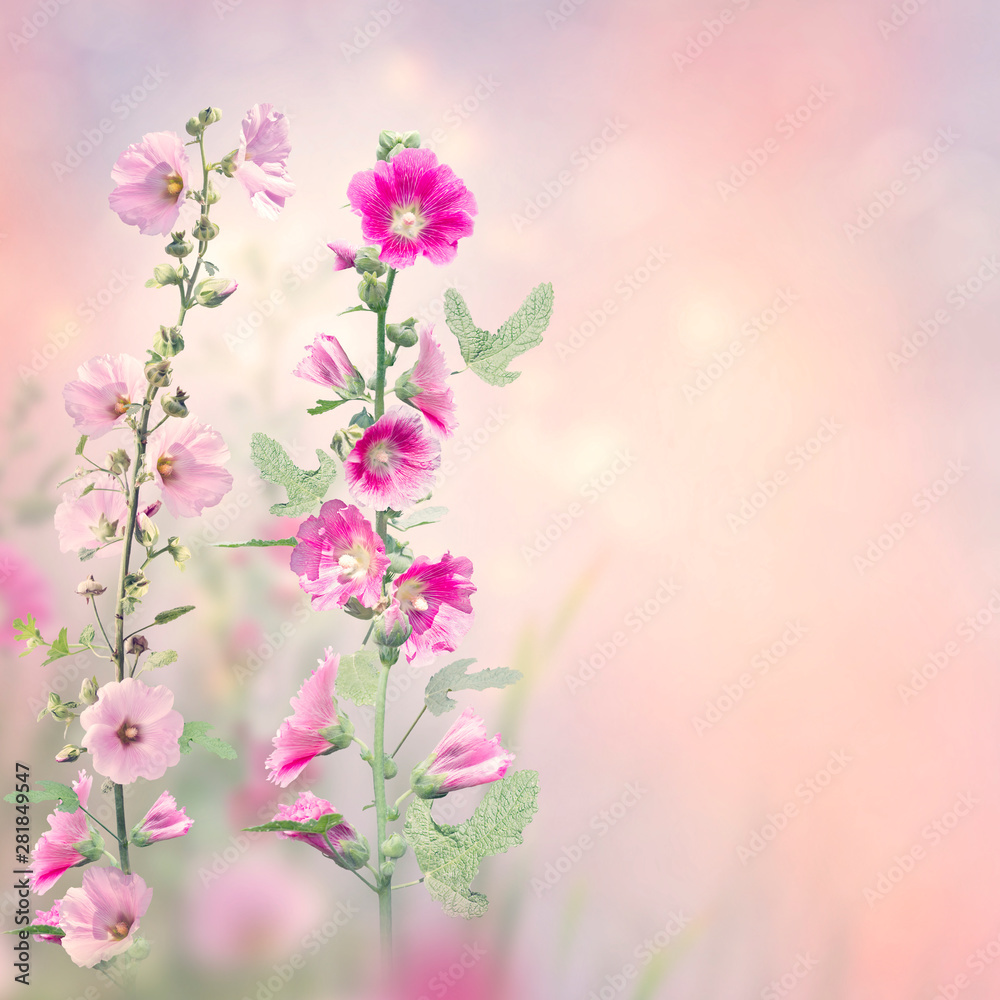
(402, 798)
(406, 885)
(378, 767)
(101, 625)
(100, 824)
(410, 730)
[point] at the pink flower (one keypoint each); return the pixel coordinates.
(24, 591)
(68, 843)
(164, 821)
(340, 843)
(314, 728)
(87, 522)
(50, 918)
(339, 556)
(187, 459)
(436, 599)
(344, 254)
(152, 179)
(463, 758)
(393, 464)
(101, 917)
(98, 399)
(425, 387)
(260, 162)
(326, 363)
(132, 731)
(82, 786)
(412, 204)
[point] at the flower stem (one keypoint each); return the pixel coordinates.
(100, 824)
(378, 767)
(410, 730)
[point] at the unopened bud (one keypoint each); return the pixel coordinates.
(175, 405)
(213, 194)
(179, 553)
(168, 342)
(227, 164)
(393, 846)
(88, 691)
(178, 246)
(402, 334)
(209, 116)
(204, 230)
(213, 292)
(194, 127)
(343, 441)
(90, 588)
(372, 292)
(136, 584)
(118, 461)
(388, 655)
(387, 868)
(366, 261)
(69, 753)
(158, 373)
(393, 628)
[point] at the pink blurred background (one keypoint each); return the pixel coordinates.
(743, 491)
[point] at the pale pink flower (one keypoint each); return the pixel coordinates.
(49, 918)
(164, 821)
(101, 917)
(23, 591)
(344, 254)
(339, 556)
(436, 599)
(260, 161)
(82, 786)
(425, 385)
(341, 843)
(314, 728)
(132, 731)
(412, 205)
(188, 459)
(105, 387)
(68, 843)
(152, 181)
(463, 758)
(393, 464)
(87, 522)
(326, 363)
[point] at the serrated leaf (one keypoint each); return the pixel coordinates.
(210, 267)
(357, 677)
(38, 929)
(168, 616)
(195, 732)
(305, 489)
(488, 355)
(257, 543)
(160, 659)
(454, 678)
(87, 635)
(449, 857)
(320, 825)
(26, 630)
(422, 515)
(49, 790)
(325, 405)
(84, 554)
(129, 604)
(58, 649)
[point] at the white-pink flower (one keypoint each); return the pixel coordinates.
(105, 387)
(164, 821)
(152, 180)
(132, 731)
(260, 161)
(326, 363)
(68, 843)
(91, 521)
(188, 459)
(425, 385)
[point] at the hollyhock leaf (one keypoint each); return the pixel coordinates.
(305, 489)
(89, 488)
(257, 543)
(38, 929)
(362, 419)
(455, 678)
(357, 677)
(47, 791)
(488, 355)
(423, 515)
(355, 309)
(160, 659)
(195, 732)
(87, 635)
(449, 856)
(168, 616)
(58, 649)
(211, 268)
(84, 554)
(325, 405)
(320, 825)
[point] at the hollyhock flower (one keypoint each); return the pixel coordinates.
(106, 386)
(132, 731)
(393, 464)
(341, 843)
(436, 599)
(314, 728)
(326, 363)
(412, 205)
(260, 161)
(86, 522)
(23, 592)
(187, 459)
(101, 917)
(339, 556)
(164, 821)
(344, 254)
(425, 387)
(152, 181)
(463, 758)
(49, 918)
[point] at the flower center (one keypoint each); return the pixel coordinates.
(122, 404)
(128, 732)
(407, 222)
(380, 455)
(354, 563)
(420, 604)
(120, 930)
(174, 185)
(165, 466)
(410, 597)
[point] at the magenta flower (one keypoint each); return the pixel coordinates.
(393, 464)
(188, 459)
(339, 556)
(164, 821)
(412, 205)
(436, 599)
(132, 731)
(101, 917)
(86, 522)
(425, 387)
(326, 363)
(260, 161)
(344, 254)
(340, 843)
(68, 843)
(313, 729)
(152, 180)
(463, 758)
(106, 386)
(50, 918)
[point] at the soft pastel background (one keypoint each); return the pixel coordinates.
(639, 156)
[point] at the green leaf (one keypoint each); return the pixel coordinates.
(58, 649)
(68, 802)
(27, 632)
(84, 554)
(160, 659)
(454, 678)
(488, 355)
(129, 604)
(422, 515)
(168, 616)
(449, 856)
(38, 929)
(211, 268)
(195, 732)
(362, 418)
(357, 677)
(325, 405)
(256, 543)
(305, 489)
(320, 825)
(354, 309)
(87, 635)
(81, 444)
(89, 488)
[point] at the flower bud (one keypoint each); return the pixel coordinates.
(118, 462)
(343, 441)
(69, 753)
(179, 553)
(372, 292)
(204, 230)
(92, 848)
(90, 588)
(168, 342)
(175, 405)
(339, 735)
(178, 246)
(227, 165)
(388, 655)
(135, 644)
(352, 854)
(158, 373)
(402, 334)
(194, 127)
(88, 691)
(213, 194)
(393, 846)
(366, 260)
(163, 275)
(213, 292)
(387, 139)
(152, 509)
(136, 585)
(387, 868)
(148, 533)
(393, 628)
(209, 116)
(390, 767)
(58, 709)
(139, 949)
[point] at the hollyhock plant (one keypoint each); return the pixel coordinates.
(49, 918)
(99, 398)
(412, 205)
(188, 459)
(164, 821)
(93, 520)
(261, 160)
(339, 556)
(394, 462)
(151, 180)
(425, 387)
(327, 364)
(101, 918)
(132, 731)
(340, 843)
